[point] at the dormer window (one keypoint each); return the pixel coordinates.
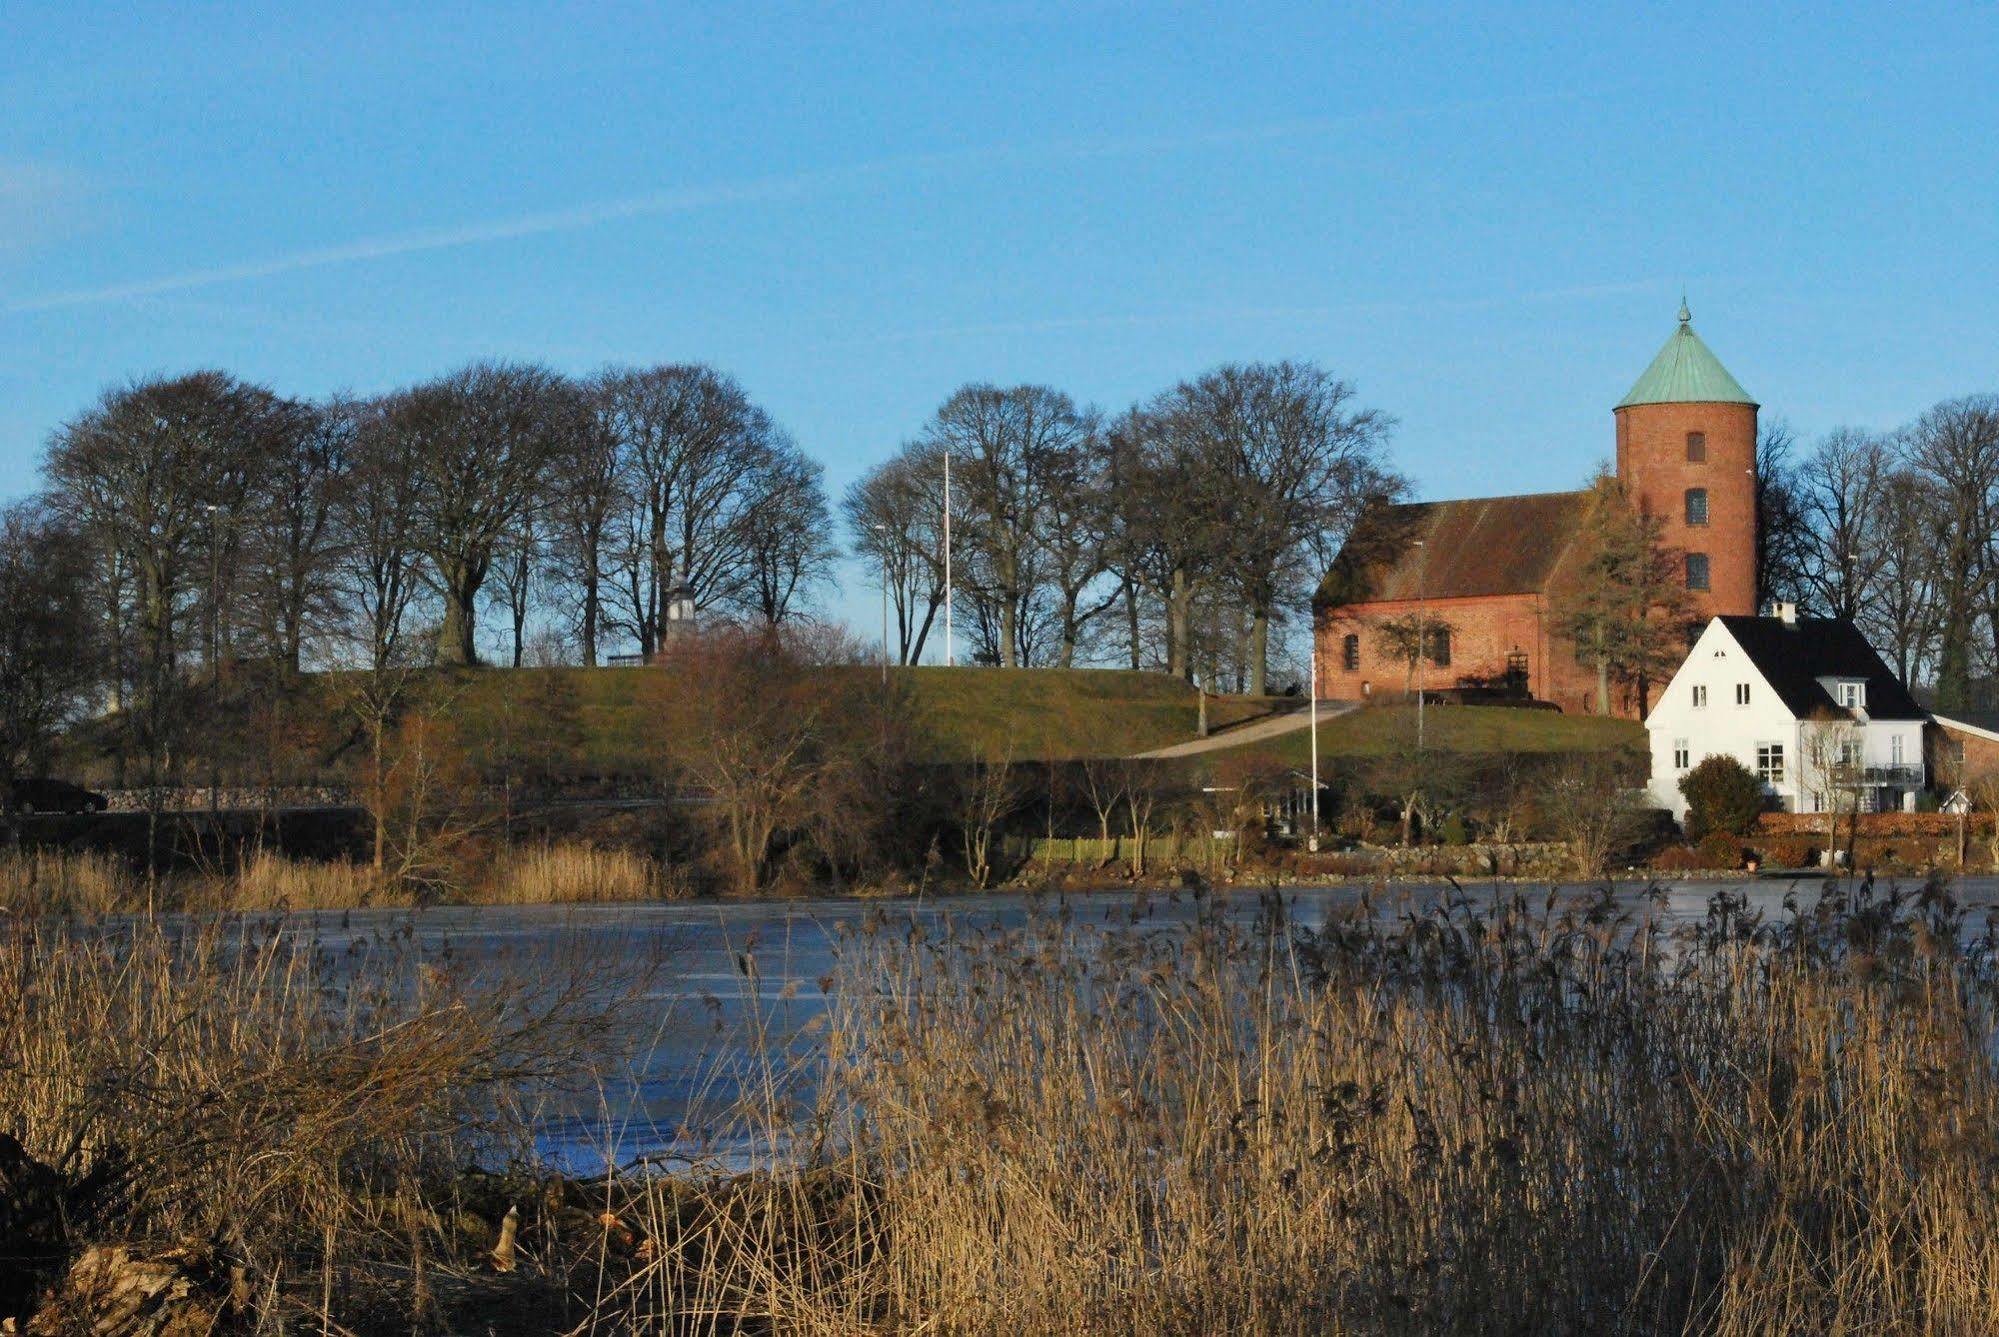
(1853, 695)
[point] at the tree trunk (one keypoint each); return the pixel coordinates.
(1259, 653)
(1131, 621)
(590, 615)
(461, 581)
(1009, 626)
(375, 784)
(1179, 606)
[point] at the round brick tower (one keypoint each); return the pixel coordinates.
(1686, 453)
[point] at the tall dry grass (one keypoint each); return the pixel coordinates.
(62, 882)
(578, 872)
(90, 883)
(304, 1113)
(1514, 1117)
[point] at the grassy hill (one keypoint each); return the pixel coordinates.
(601, 723)
(1029, 714)
(1382, 730)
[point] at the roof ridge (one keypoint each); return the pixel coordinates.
(1503, 496)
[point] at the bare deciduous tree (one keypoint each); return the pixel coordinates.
(1627, 612)
(895, 515)
(1009, 446)
(1954, 449)
(1296, 461)
(49, 639)
(482, 440)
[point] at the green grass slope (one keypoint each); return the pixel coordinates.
(1473, 730)
(1026, 714)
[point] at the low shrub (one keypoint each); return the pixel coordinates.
(1718, 849)
(1788, 852)
(1678, 859)
(1722, 795)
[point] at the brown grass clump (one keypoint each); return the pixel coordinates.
(549, 873)
(89, 884)
(61, 882)
(1521, 1117)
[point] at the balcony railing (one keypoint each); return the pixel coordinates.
(1892, 775)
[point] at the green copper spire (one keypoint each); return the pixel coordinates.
(1685, 372)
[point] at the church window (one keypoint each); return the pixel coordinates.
(1697, 571)
(1697, 447)
(1440, 647)
(1696, 505)
(1350, 652)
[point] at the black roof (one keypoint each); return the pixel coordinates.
(1793, 656)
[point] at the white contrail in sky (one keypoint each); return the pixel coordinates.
(688, 199)
(434, 239)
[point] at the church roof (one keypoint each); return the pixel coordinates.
(1456, 549)
(1686, 372)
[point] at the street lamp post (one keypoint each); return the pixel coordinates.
(1422, 642)
(1313, 845)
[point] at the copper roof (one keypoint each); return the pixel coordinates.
(1456, 549)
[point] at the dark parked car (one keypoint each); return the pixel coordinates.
(46, 795)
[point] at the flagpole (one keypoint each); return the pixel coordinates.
(950, 650)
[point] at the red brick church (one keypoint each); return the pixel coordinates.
(1488, 568)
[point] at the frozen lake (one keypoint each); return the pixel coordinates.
(734, 980)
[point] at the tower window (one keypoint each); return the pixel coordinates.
(1697, 447)
(1697, 571)
(1696, 505)
(1350, 652)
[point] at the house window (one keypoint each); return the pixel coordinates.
(1849, 753)
(1696, 505)
(1350, 652)
(1853, 695)
(1696, 447)
(1770, 763)
(1680, 754)
(1700, 695)
(1440, 647)
(1895, 749)
(1742, 694)
(1697, 571)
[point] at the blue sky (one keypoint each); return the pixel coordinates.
(1483, 218)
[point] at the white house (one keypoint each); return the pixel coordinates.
(1804, 703)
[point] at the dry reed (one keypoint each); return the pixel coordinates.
(91, 883)
(576, 872)
(1521, 1117)
(306, 1113)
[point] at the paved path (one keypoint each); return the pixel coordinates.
(1255, 731)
